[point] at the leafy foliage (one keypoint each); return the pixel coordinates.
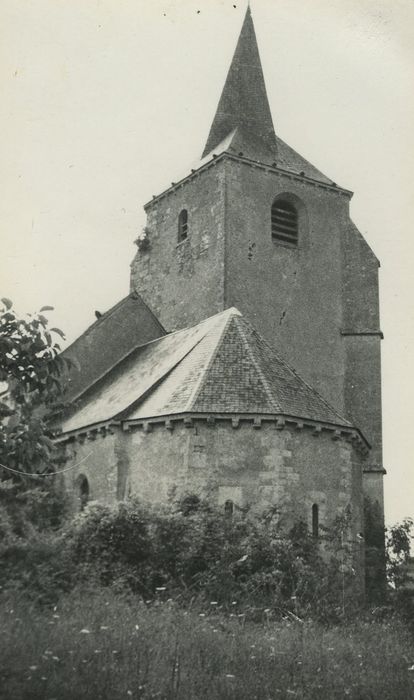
(32, 555)
(32, 379)
(398, 547)
(387, 553)
(143, 241)
(191, 549)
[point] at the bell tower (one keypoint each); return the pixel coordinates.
(256, 226)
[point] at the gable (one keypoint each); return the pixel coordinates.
(126, 325)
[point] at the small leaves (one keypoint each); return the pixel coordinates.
(33, 372)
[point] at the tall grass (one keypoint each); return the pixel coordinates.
(99, 644)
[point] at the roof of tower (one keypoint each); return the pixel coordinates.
(222, 366)
(243, 125)
(243, 103)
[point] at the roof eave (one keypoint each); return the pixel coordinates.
(215, 159)
(339, 431)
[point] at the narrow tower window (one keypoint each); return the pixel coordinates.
(284, 222)
(228, 508)
(83, 491)
(183, 225)
(315, 520)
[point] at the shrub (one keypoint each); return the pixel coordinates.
(192, 549)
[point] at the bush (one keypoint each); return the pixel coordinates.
(23, 512)
(187, 550)
(193, 550)
(32, 553)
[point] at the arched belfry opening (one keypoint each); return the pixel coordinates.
(285, 222)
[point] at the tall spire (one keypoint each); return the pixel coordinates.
(243, 105)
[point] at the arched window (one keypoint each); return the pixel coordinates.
(182, 225)
(285, 226)
(83, 490)
(315, 520)
(228, 508)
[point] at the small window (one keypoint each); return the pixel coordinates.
(183, 225)
(284, 222)
(315, 520)
(83, 491)
(228, 508)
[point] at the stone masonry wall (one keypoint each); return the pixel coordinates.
(260, 467)
(97, 460)
(183, 282)
(363, 351)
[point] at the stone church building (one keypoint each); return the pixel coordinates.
(244, 365)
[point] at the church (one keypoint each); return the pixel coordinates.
(244, 365)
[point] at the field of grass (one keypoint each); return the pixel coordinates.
(101, 645)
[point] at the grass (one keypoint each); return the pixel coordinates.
(103, 645)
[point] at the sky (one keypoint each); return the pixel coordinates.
(105, 102)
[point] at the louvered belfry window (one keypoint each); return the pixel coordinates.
(284, 222)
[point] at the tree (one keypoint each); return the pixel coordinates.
(398, 547)
(31, 382)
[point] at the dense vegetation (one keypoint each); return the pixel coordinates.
(182, 602)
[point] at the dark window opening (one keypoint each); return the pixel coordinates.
(229, 508)
(182, 225)
(83, 491)
(315, 520)
(284, 222)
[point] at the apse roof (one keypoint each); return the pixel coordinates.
(220, 366)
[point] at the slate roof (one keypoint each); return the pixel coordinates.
(126, 325)
(244, 110)
(243, 120)
(220, 366)
(243, 103)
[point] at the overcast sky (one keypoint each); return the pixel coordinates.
(104, 102)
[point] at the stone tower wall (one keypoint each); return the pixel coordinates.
(183, 282)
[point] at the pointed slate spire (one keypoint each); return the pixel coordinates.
(244, 107)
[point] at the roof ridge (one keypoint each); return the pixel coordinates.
(257, 366)
(110, 312)
(213, 354)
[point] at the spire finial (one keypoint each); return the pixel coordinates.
(243, 107)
